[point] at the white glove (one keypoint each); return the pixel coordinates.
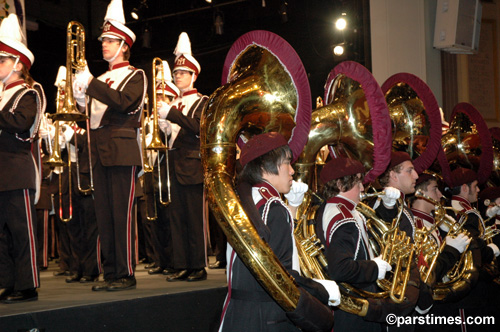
(495, 249)
(79, 94)
(493, 210)
(67, 132)
(82, 78)
(383, 267)
(165, 126)
(333, 291)
(296, 194)
(460, 242)
(163, 110)
(391, 196)
(46, 130)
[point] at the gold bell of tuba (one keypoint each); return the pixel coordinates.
(265, 89)
(467, 144)
(415, 118)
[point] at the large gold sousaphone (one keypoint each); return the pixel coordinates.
(263, 91)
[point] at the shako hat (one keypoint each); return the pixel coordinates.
(13, 41)
(114, 24)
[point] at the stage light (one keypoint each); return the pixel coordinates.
(219, 22)
(338, 50)
(284, 12)
(136, 12)
(340, 24)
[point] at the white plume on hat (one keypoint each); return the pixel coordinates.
(183, 45)
(61, 76)
(115, 12)
(183, 49)
(12, 36)
(170, 88)
(167, 75)
(116, 17)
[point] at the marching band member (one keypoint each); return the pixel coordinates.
(266, 175)
(399, 179)
(115, 101)
(20, 109)
(159, 231)
(464, 188)
(342, 230)
(491, 211)
(422, 211)
(186, 173)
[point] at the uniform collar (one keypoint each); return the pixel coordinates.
(423, 215)
(119, 65)
(188, 93)
(12, 85)
(462, 201)
(342, 200)
(266, 190)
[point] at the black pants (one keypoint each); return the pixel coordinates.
(114, 198)
(18, 221)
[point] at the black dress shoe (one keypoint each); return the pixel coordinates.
(198, 275)
(22, 296)
(123, 284)
(87, 279)
(179, 276)
(150, 266)
(4, 292)
(217, 265)
(102, 285)
(155, 270)
(73, 278)
(169, 271)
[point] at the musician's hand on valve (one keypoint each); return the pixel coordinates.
(296, 194)
(493, 210)
(333, 291)
(460, 242)
(383, 267)
(391, 196)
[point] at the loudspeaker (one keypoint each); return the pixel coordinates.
(458, 23)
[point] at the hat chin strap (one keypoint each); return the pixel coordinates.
(117, 52)
(11, 71)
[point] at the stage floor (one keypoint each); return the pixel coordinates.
(55, 295)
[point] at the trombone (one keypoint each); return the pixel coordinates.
(75, 61)
(147, 162)
(55, 160)
(156, 142)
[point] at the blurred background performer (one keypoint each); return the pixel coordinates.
(20, 109)
(160, 230)
(186, 174)
(115, 101)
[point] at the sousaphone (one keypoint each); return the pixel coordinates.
(265, 88)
